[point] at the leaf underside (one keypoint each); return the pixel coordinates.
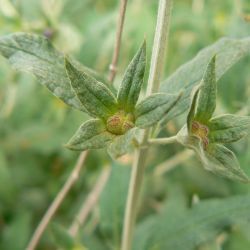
(228, 128)
(93, 95)
(35, 54)
(191, 228)
(91, 135)
(123, 144)
(228, 52)
(151, 110)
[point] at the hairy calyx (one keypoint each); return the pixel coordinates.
(120, 122)
(201, 131)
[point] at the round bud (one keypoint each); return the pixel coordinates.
(120, 123)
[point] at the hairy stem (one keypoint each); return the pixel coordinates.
(160, 45)
(57, 202)
(113, 65)
(157, 60)
(162, 141)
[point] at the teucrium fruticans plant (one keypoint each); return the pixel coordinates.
(117, 118)
(115, 115)
(206, 134)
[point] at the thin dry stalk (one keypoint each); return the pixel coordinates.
(57, 202)
(113, 65)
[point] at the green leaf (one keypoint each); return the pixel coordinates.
(35, 54)
(228, 52)
(151, 110)
(222, 161)
(206, 101)
(200, 224)
(61, 237)
(123, 144)
(228, 128)
(94, 96)
(130, 88)
(216, 158)
(91, 135)
(191, 112)
(113, 203)
(213, 245)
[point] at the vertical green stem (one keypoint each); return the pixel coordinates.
(156, 68)
(159, 45)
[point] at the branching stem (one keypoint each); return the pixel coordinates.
(162, 141)
(157, 60)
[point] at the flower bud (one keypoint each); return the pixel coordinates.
(120, 123)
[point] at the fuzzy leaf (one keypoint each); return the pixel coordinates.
(123, 144)
(206, 101)
(35, 54)
(91, 135)
(228, 52)
(132, 81)
(222, 161)
(150, 110)
(191, 112)
(216, 158)
(228, 128)
(94, 96)
(200, 224)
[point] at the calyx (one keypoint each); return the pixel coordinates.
(120, 122)
(201, 131)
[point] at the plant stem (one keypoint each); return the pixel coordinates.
(57, 202)
(159, 45)
(90, 202)
(132, 200)
(113, 65)
(155, 73)
(162, 141)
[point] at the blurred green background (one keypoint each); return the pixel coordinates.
(34, 125)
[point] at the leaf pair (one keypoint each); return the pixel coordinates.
(81, 88)
(115, 116)
(206, 135)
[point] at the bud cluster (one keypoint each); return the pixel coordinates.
(120, 123)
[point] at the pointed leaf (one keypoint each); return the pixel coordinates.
(191, 112)
(220, 160)
(151, 110)
(206, 102)
(123, 144)
(35, 54)
(228, 52)
(94, 96)
(132, 81)
(228, 128)
(91, 135)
